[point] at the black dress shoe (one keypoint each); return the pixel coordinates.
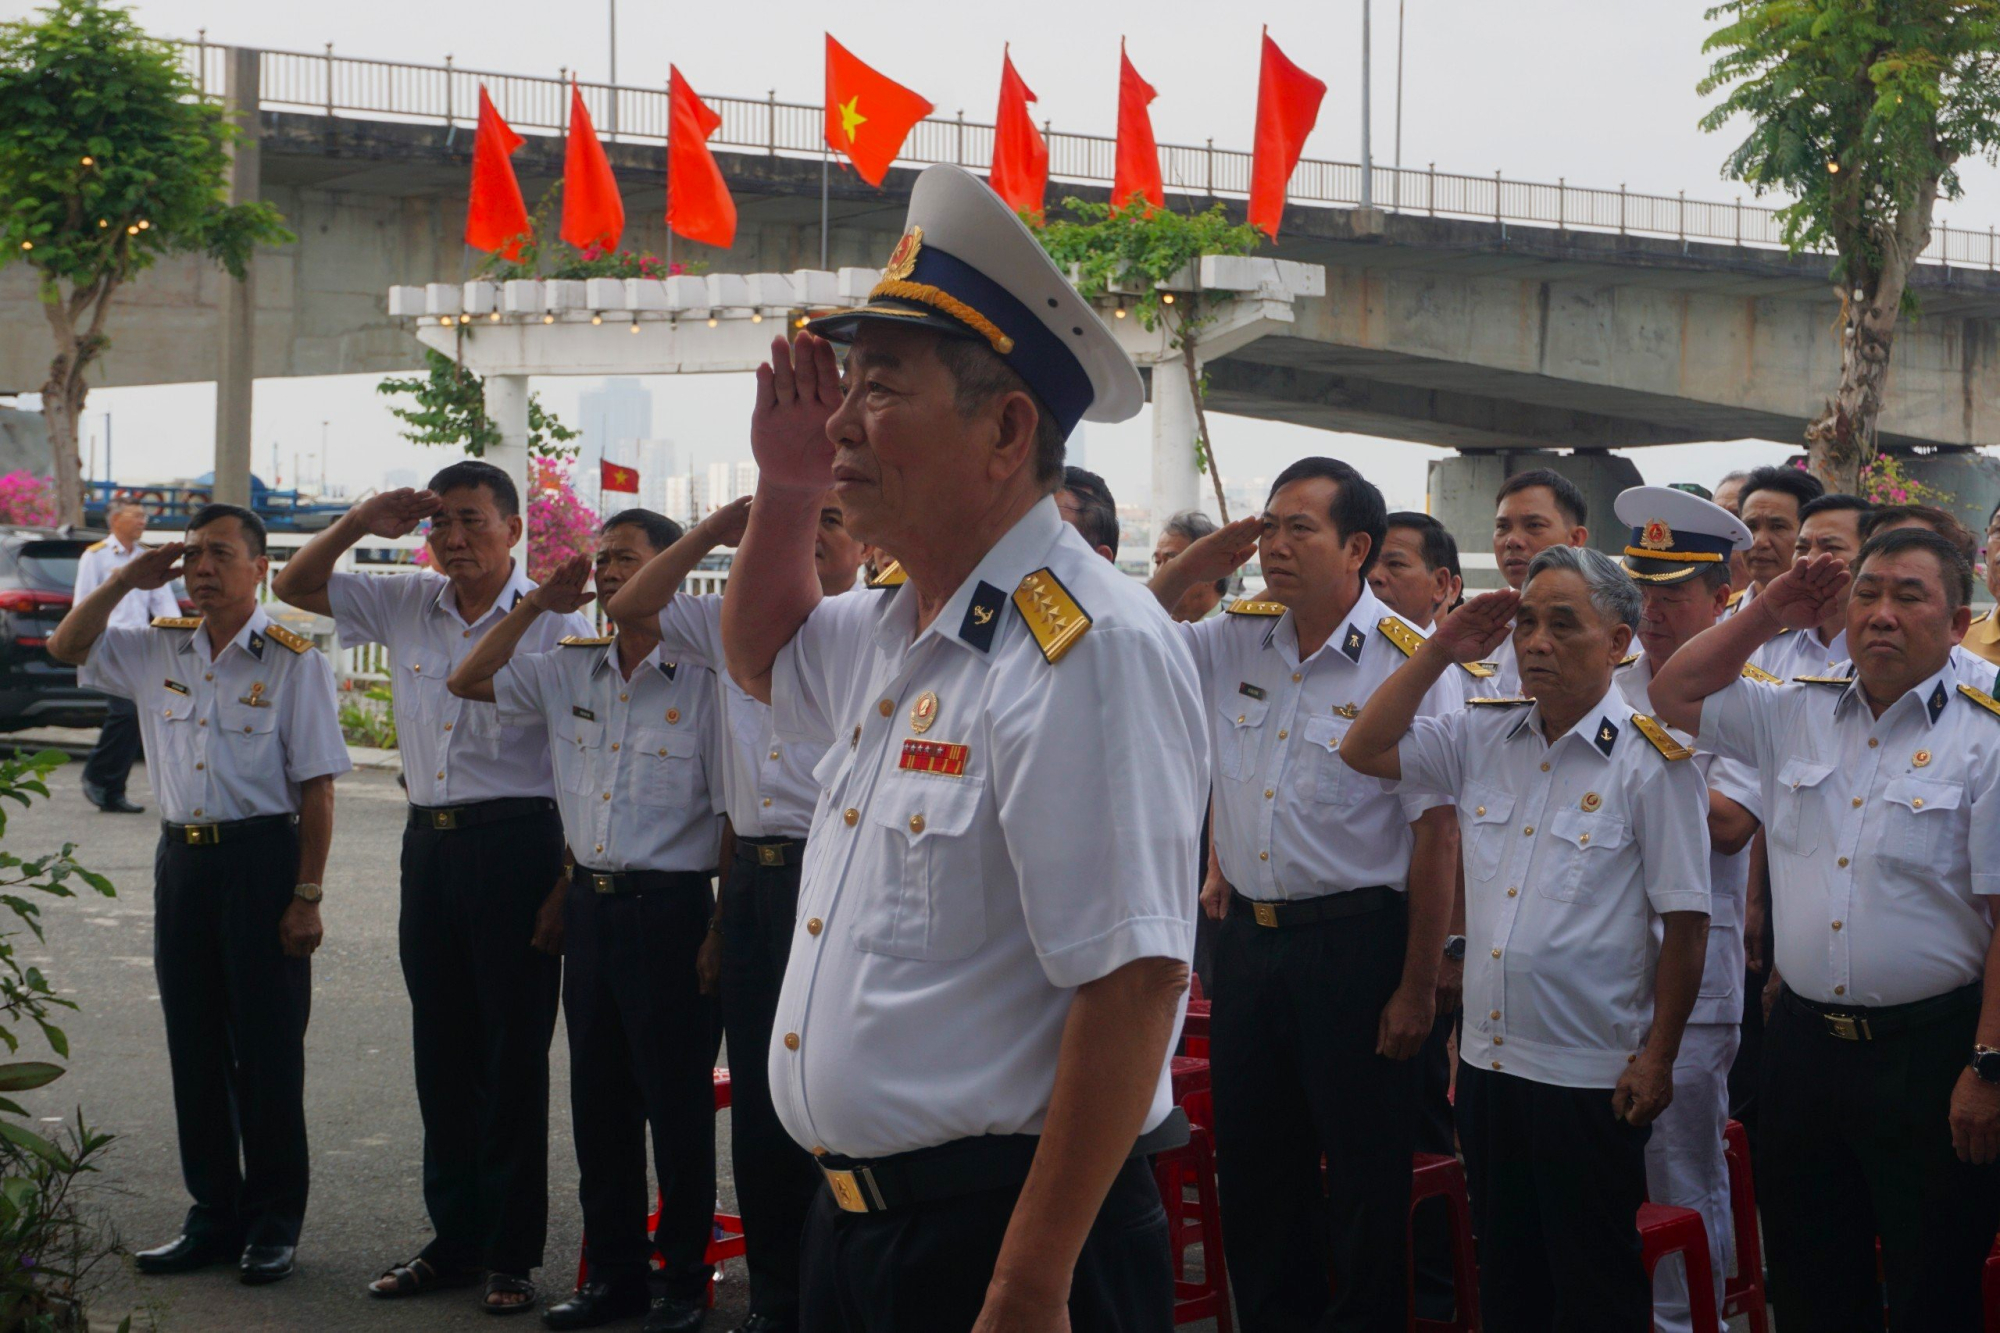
(763, 1323)
(597, 1303)
(674, 1314)
(118, 805)
(264, 1264)
(184, 1254)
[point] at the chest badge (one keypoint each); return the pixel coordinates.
(933, 757)
(924, 712)
(1591, 801)
(1921, 758)
(578, 710)
(175, 686)
(1250, 691)
(255, 698)
(1348, 711)
(673, 716)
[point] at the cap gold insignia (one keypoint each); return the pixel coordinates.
(903, 260)
(1657, 536)
(924, 712)
(1921, 758)
(1591, 800)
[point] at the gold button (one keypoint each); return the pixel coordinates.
(600, 846)
(199, 767)
(1528, 830)
(1239, 716)
(1283, 732)
(1836, 925)
(774, 754)
(418, 669)
(465, 634)
(1545, 766)
(614, 745)
(1581, 838)
(1842, 863)
(447, 726)
(813, 925)
(209, 676)
(851, 815)
(1872, 742)
(1840, 990)
(1857, 803)
(246, 732)
(166, 712)
(1269, 793)
(819, 1150)
(767, 801)
(1631, 1059)
(607, 796)
(791, 1041)
(1511, 891)
(673, 716)
(1916, 804)
(916, 823)
(1496, 1064)
(663, 752)
(623, 697)
(1499, 1041)
(1297, 677)
(1496, 953)
(1479, 810)
(885, 708)
(1494, 1014)
(202, 723)
(440, 775)
(197, 809)
(1263, 856)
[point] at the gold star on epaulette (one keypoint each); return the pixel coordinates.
(176, 622)
(1248, 606)
(278, 634)
(583, 640)
(1053, 616)
(1669, 748)
(1751, 671)
(1511, 701)
(1982, 698)
(893, 575)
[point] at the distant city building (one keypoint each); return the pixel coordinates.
(654, 460)
(612, 420)
(685, 499)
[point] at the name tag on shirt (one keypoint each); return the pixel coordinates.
(582, 712)
(934, 757)
(1254, 691)
(176, 687)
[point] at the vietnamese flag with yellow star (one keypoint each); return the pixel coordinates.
(868, 115)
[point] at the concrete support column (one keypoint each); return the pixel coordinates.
(236, 315)
(1462, 489)
(1176, 478)
(507, 409)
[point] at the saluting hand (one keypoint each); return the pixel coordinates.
(1480, 625)
(299, 930)
(798, 389)
(397, 513)
(1221, 553)
(153, 568)
(725, 526)
(563, 591)
(1806, 594)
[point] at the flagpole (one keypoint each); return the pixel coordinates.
(825, 159)
(1367, 154)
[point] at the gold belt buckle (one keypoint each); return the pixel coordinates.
(202, 835)
(1266, 913)
(846, 1190)
(770, 856)
(1848, 1027)
(604, 883)
(444, 819)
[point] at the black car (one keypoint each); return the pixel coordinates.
(37, 585)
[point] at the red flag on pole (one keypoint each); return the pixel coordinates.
(1287, 105)
(868, 115)
(1138, 158)
(495, 216)
(698, 202)
(1020, 157)
(593, 214)
(617, 477)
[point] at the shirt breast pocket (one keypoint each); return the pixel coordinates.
(423, 673)
(576, 749)
(251, 730)
(1797, 821)
(1485, 813)
(663, 768)
(1922, 820)
(1334, 782)
(176, 713)
(1237, 737)
(929, 902)
(1585, 848)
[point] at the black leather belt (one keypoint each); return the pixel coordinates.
(447, 817)
(1859, 1023)
(229, 830)
(613, 883)
(951, 1170)
(771, 851)
(1305, 911)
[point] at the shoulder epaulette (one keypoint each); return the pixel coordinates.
(1982, 698)
(1512, 701)
(583, 640)
(1735, 598)
(1824, 680)
(1053, 616)
(1751, 671)
(97, 546)
(1401, 633)
(893, 575)
(1628, 660)
(1247, 606)
(278, 634)
(1669, 748)
(176, 622)
(1985, 615)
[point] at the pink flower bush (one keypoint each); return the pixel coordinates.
(560, 524)
(28, 500)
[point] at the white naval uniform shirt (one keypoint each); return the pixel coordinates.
(138, 607)
(1572, 851)
(215, 756)
(1505, 682)
(1291, 819)
(633, 757)
(1798, 652)
(1884, 833)
(1969, 668)
(944, 921)
(454, 751)
(1720, 999)
(766, 785)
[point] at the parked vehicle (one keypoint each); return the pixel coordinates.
(37, 585)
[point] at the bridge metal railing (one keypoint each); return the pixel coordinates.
(338, 85)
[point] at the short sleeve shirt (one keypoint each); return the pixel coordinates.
(1798, 652)
(137, 608)
(996, 830)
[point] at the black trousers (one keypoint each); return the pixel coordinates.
(925, 1269)
(109, 766)
(1430, 1225)
(1856, 1145)
(775, 1177)
(483, 1011)
(641, 1053)
(1556, 1182)
(1295, 1074)
(236, 1010)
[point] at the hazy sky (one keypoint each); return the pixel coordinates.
(1600, 92)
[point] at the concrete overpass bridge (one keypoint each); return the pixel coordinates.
(1500, 318)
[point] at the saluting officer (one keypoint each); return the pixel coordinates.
(636, 747)
(1881, 1093)
(1828, 525)
(998, 908)
(768, 793)
(1333, 894)
(481, 928)
(239, 716)
(1532, 511)
(1679, 555)
(109, 766)
(1586, 902)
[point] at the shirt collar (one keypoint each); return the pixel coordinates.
(609, 659)
(971, 616)
(1349, 639)
(1931, 697)
(1600, 729)
(517, 586)
(251, 638)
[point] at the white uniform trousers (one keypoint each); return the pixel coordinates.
(1686, 1167)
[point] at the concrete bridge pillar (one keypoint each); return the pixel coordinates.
(1176, 473)
(236, 317)
(1461, 493)
(507, 409)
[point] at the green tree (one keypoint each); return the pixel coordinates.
(1861, 111)
(451, 411)
(109, 159)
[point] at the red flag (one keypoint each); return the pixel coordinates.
(616, 477)
(1020, 157)
(868, 115)
(495, 216)
(1287, 105)
(593, 214)
(1138, 165)
(698, 202)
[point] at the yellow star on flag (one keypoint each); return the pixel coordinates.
(850, 118)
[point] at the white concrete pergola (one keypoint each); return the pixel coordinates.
(721, 322)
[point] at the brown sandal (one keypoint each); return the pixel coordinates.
(507, 1284)
(417, 1277)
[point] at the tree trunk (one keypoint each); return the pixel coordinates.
(62, 409)
(1192, 363)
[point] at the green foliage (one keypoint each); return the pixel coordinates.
(1134, 248)
(451, 411)
(373, 727)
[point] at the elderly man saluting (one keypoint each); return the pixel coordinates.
(997, 907)
(1586, 899)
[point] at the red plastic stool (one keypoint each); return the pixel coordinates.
(1189, 1075)
(1194, 1029)
(1743, 1294)
(1989, 1288)
(1439, 1177)
(1184, 1222)
(1664, 1231)
(1206, 1297)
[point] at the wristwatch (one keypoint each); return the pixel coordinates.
(311, 893)
(1985, 1063)
(1454, 948)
